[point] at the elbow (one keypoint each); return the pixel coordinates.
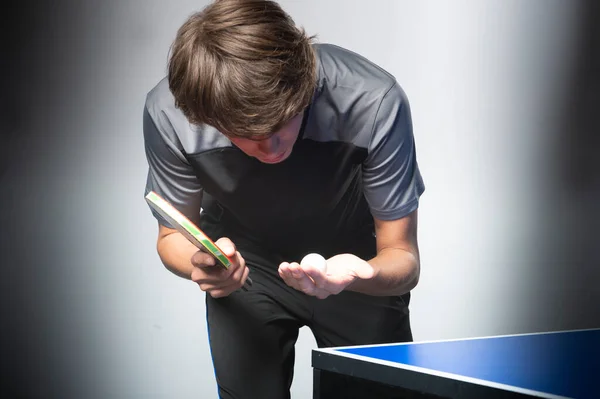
(161, 251)
(414, 281)
(414, 276)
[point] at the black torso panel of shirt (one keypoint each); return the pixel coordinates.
(312, 201)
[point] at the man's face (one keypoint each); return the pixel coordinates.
(274, 149)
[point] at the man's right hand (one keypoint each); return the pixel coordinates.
(212, 277)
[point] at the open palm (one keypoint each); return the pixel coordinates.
(341, 271)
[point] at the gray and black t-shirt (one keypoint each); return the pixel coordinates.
(354, 159)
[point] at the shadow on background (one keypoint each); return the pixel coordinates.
(579, 144)
(14, 342)
(36, 42)
(571, 218)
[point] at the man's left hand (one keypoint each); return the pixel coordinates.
(341, 271)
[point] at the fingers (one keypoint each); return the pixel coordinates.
(286, 273)
(203, 259)
(316, 275)
(236, 284)
(298, 277)
(225, 283)
(215, 279)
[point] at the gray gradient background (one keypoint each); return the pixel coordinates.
(504, 97)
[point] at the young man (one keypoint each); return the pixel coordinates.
(289, 147)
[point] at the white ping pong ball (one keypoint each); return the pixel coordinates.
(315, 260)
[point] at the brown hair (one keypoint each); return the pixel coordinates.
(243, 67)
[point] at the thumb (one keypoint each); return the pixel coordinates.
(226, 246)
(364, 271)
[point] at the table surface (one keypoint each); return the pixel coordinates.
(562, 364)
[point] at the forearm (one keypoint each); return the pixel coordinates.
(175, 252)
(396, 273)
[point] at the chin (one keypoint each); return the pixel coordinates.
(274, 160)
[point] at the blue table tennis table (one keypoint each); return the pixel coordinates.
(562, 364)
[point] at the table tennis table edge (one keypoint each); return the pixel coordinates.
(418, 379)
(488, 337)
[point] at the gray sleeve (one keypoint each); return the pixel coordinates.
(391, 177)
(169, 173)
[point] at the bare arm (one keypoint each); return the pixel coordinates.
(175, 252)
(394, 271)
(396, 267)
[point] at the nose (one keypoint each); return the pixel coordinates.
(270, 145)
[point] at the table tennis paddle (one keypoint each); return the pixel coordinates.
(190, 231)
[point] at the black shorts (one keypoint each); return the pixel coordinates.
(252, 334)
